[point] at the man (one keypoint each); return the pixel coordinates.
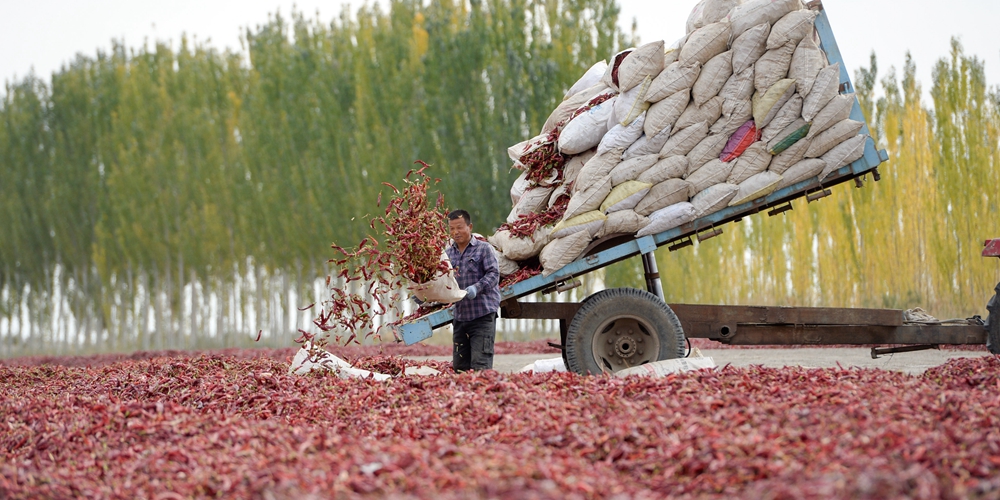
(478, 273)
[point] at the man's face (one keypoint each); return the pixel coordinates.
(460, 231)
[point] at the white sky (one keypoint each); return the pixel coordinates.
(45, 34)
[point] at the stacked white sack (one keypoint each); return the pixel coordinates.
(744, 104)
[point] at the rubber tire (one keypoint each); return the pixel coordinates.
(993, 323)
(615, 302)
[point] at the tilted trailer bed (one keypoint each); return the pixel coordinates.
(623, 327)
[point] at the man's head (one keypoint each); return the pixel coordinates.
(460, 227)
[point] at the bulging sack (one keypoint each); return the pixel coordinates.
(625, 196)
(663, 194)
(671, 167)
(664, 114)
(792, 28)
(824, 89)
(708, 113)
(443, 289)
(752, 162)
(766, 106)
(534, 200)
(789, 112)
(596, 169)
(565, 109)
(803, 170)
(621, 137)
(739, 87)
(574, 164)
(755, 12)
(772, 67)
(675, 78)
(586, 130)
(590, 198)
(807, 61)
(748, 47)
(623, 222)
(836, 111)
(740, 141)
(647, 145)
(714, 75)
(667, 218)
(518, 188)
(590, 78)
(629, 105)
(707, 150)
(713, 199)
(710, 174)
(843, 154)
(630, 169)
(562, 251)
(790, 135)
(757, 186)
(646, 61)
(734, 115)
(833, 136)
(681, 143)
(705, 43)
(526, 248)
(794, 154)
(591, 222)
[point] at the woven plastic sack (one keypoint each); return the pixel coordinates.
(664, 114)
(632, 103)
(623, 222)
(591, 222)
(671, 167)
(836, 111)
(803, 170)
(596, 169)
(753, 161)
(772, 67)
(667, 218)
(710, 174)
(756, 12)
(792, 28)
(694, 113)
(666, 193)
(647, 145)
(560, 191)
(767, 105)
(682, 142)
(714, 75)
(646, 61)
(825, 88)
(739, 87)
(518, 188)
(705, 43)
(566, 108)
(574, 164)
(673, 79)
(707, 150)
(443, 289)
(629, 170)
(526, 248)
(589, 79)
(621, 137)
(746, 135)
(843, 154)
(586, 130)
(794, 154)
(507, 266)
(748, 47)
(790, 135)
(833, 136)
(757, 186)
(589, 198)
(807, 61)
(789, 112)
(708, 12)
(610, 77)
(713, 199)
(533, 200)
(560, 252)
(734, 115)
(625, 196)
(673, 52)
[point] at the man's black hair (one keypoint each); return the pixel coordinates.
(455, 214)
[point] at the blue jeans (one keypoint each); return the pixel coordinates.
(474, 343)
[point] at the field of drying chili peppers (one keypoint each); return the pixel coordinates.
(235, 424)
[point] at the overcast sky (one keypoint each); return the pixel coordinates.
(45, 34)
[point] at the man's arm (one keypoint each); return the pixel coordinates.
(491, 271)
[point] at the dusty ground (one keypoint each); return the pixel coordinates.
(908, 362)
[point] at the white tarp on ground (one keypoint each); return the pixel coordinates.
(545, 365)
(302, 364)
(668, 366)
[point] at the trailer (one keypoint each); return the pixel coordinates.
(615, 329)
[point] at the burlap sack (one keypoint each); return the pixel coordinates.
(621, 137)
(772, 67)
(843, 154)
(586, 130)
(755, 12)
(705, 43)
(682, 142)
(833, 136)
(739, 87)
(663, 194)
(707, 150)
(596, 169)
(784, 160)
(562, 251)
(824, 89)
(590, 198)
(748, 47)
(566, 108)
(675, 78)
(664, 114)
(714, 75)
(625, 196)
(753, 161)
(807, 61)
(767, 105)
(668, 218)
(645, 61)
(710, 174)
(789, 112)
(792, 28)
(734, 115)
(591, 222)
(801, 171)
(671, 167)
(629, 170)
(647, 145)
(623, 222)
(757, 186)
(837, 110)
(694, 113)
(713, 199)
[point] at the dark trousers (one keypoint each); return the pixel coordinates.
(474, 343)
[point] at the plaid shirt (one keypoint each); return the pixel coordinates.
(477, 265)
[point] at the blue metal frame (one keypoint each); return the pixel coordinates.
(423, 328)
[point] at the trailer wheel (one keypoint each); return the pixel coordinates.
(992, 323)
(620, 328)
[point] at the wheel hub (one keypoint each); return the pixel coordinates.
(626, 346)
(625, 341)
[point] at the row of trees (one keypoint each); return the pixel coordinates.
(155, 198)
(913, 239)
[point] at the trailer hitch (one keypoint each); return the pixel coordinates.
(878, 351)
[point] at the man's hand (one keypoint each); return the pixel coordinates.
(471, 292)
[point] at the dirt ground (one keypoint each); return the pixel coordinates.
(907, 362)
